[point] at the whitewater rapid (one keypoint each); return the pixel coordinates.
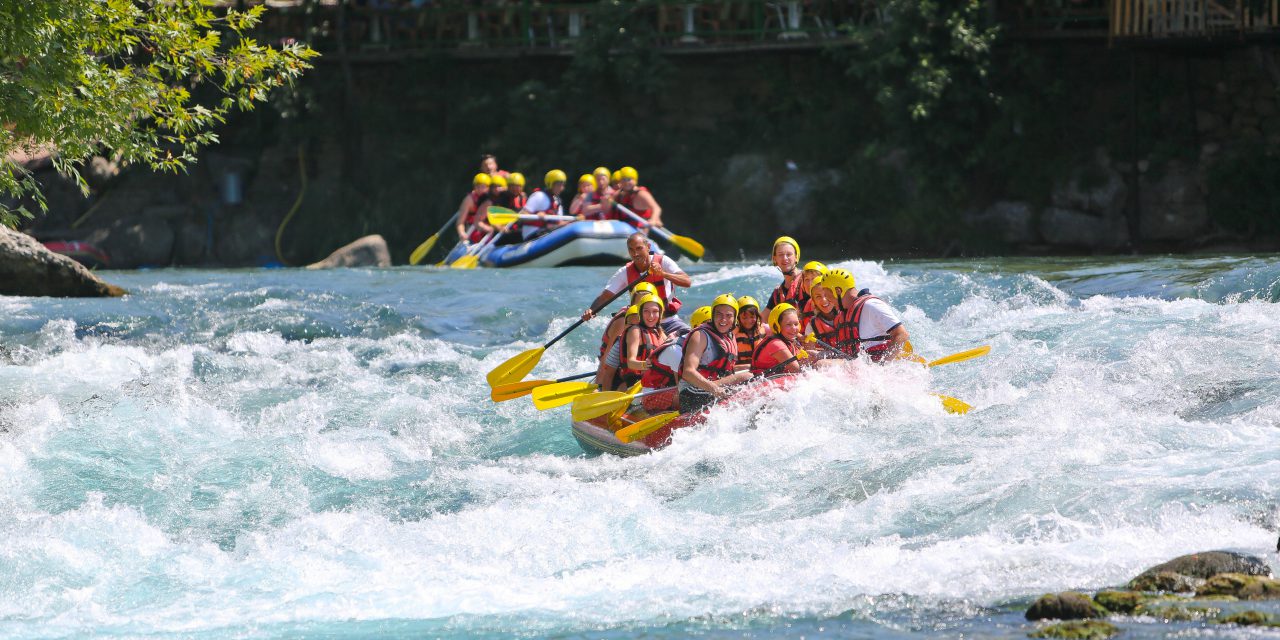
(283, 453)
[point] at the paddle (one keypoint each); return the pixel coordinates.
(962, 356)
(426, 246)
(687, 246)
(953, 405)
(640, 429)
(472, 257)
(606, 402)
(503, 219)
(504, 392)
(558, 395)
(519, 366)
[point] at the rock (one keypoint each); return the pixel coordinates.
(243, 239)
(1207, 564)
(1165, 581)
(192, 246)
(136, 242)
(1078, 630)
(1096, 188)
(1174, 207)
(1067, 605)
(369, 251)
(1176, 612)
(1074, 228)
(1248, 618)
(27, 268)
(1014, 222)
(1242, 586)
(1121, 601)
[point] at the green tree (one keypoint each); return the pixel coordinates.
(140, 80)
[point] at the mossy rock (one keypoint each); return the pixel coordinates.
(1165, 581)
(1249, 618)
(1067, 605)
(1176, 612)
(1206, 564)
(1077, 630)
(1244, 587)
(1120, 601)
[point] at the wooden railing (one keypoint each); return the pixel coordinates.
(1192, 18)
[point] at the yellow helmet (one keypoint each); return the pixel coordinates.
(601, 171)
(700, 315)
(649, 297)
(725, 299)
(481, 178)
(775, 316)
(628, 173)
(814, 265)
(588, 179)
(616, 176)
(515, 179)
(498, 181)
(643, 287)
(747, 301)
(786, 240)
(632, 310)
(838, 281)
(553, 176)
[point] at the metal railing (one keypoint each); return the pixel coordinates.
(1192, 18)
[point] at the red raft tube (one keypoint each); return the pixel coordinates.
(598, 434)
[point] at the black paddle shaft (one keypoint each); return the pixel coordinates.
(577, 377)
(875, 339)
(643, 274)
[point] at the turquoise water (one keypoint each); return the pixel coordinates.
(264, 454)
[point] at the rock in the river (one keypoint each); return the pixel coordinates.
(1199, 566)
(1242, 586)
(1067, 605)
(369, 251)
(1176, 612)
(1165, 581)
(1249, 618)
(1067, 227)
(1125, 601)
(27, 268)
(1078, 630)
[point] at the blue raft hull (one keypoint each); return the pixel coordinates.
(600, 242)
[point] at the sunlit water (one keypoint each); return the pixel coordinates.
(294, 453)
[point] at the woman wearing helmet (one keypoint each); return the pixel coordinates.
(664, 366)
(641, 340)
(750, 329)
(824, 321)
(635, 198)
(515, 191)
(471, 227)
(786, 257)
(780, 352)
(542, 203)
(710, 358)
(586, 191)
(611, 342)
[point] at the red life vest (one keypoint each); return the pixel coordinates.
(650, 338)
(605, 342)
(517, 201)
(826, 330)
(764, 361)
(627, 199)
(660, 375)
(671, 303)
(849, 338)
(555, 208)
(475, 233)
(592, 198)
(748, 343)
(725, 348)
(794, 294)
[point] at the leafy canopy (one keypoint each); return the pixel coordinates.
(81, 77)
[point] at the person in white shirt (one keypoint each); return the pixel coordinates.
(660, 270)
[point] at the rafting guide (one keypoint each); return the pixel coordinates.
(662, 272)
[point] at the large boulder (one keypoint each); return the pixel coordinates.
(1077, 630)
(1013, 222)
(1095, 188)
(1242, 586)
(1067, 605)
(244, 239)
(1066, 227)
(369, 251)
(1175, 207)
(27, 268)
(1202, 566)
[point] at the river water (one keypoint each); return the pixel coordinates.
(288, 453)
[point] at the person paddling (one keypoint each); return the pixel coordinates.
(642, 339)
(710, 355)
(471, 227)
(663, 272)
(751, 331)
(664, 366)
(780, 352)
(585, 206)
(635, 198)
(610, 343)
(542, 203)
(866, 316)
(786, 255)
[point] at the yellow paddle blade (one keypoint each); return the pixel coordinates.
(466, 262)
(505, 392)
(953, 405)
(423, 249)
(647, 426)
(963, 355)
(908, 352)
(493, 208)
(516, 368)
(691, 247)
(560, 394)
(501, 219)
(598, 404)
